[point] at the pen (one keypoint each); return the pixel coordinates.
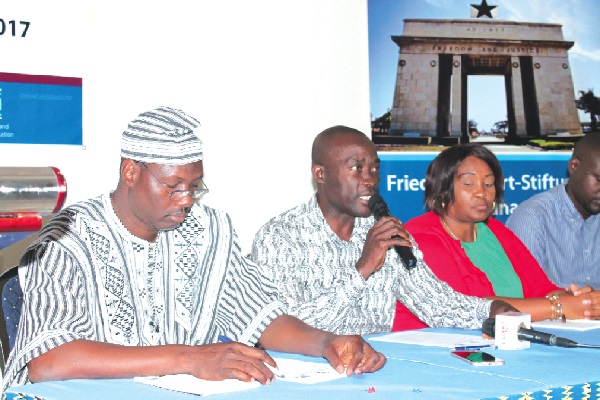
(477, 347)
(224, 339)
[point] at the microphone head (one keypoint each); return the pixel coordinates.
(374, 200)
(378, 206)
(489, 327)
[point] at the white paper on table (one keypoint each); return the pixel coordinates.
(289, 370)
(422, 338)
(190, 384)
(304, 371)
(571, 324)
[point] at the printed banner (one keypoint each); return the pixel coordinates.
(402, 182)
(40, 109)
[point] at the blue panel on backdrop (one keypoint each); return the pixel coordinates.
(402, 182)
(40, 109)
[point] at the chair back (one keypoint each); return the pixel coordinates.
(12, 302)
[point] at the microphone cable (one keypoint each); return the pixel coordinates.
(588, 346)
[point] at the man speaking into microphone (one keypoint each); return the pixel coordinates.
(338, 268)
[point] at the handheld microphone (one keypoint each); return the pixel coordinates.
(489, 328)
(380, 209)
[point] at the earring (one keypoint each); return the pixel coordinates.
(494, 205)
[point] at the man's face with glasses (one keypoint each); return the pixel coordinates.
(178, 194)
(166, 194)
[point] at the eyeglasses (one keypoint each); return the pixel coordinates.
(177, 195)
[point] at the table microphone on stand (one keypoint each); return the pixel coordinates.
(531, 335)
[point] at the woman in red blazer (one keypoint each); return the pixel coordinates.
(476, 254)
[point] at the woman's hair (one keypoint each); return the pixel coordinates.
(439, 181)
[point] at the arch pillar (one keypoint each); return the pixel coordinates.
(457, 97)
(517, 97)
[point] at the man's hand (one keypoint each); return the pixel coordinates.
(499, 306)
(352, 354)
(231, 361)
(386, 232)
(344, 352)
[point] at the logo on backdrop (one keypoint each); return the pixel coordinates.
(40, 109)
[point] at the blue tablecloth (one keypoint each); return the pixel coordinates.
(411, 372)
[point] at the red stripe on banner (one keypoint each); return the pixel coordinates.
(40, 79)
(25, 222)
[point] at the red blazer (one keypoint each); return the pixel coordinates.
(449, 262)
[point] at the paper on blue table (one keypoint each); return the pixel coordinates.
(304, 371)
(190, 384)
(289, 370)
(422, 338)
(570, 324)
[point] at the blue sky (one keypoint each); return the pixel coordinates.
(579, 20)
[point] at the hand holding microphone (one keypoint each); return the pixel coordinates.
(380, 209)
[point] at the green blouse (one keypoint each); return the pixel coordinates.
(488, 255)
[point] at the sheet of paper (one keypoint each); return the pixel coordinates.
(571, 324)
(289, 370)
(423, 338)
(191, 384)
(305, 372)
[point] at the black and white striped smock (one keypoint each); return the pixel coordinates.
(87, 277)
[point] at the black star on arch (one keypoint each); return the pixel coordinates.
(483, 10)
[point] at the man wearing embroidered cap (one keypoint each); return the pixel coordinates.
(143, 280)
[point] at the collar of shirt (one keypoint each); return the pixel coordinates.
(361, 225)
(566, 205)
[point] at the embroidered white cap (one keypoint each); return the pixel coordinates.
(163, 135)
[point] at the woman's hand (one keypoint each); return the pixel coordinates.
(580, 303)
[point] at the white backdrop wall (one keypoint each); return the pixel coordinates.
(263, 77)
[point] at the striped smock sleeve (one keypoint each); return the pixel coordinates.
(55, 309)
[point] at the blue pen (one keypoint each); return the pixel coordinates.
(477, 347)
(224, 339)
